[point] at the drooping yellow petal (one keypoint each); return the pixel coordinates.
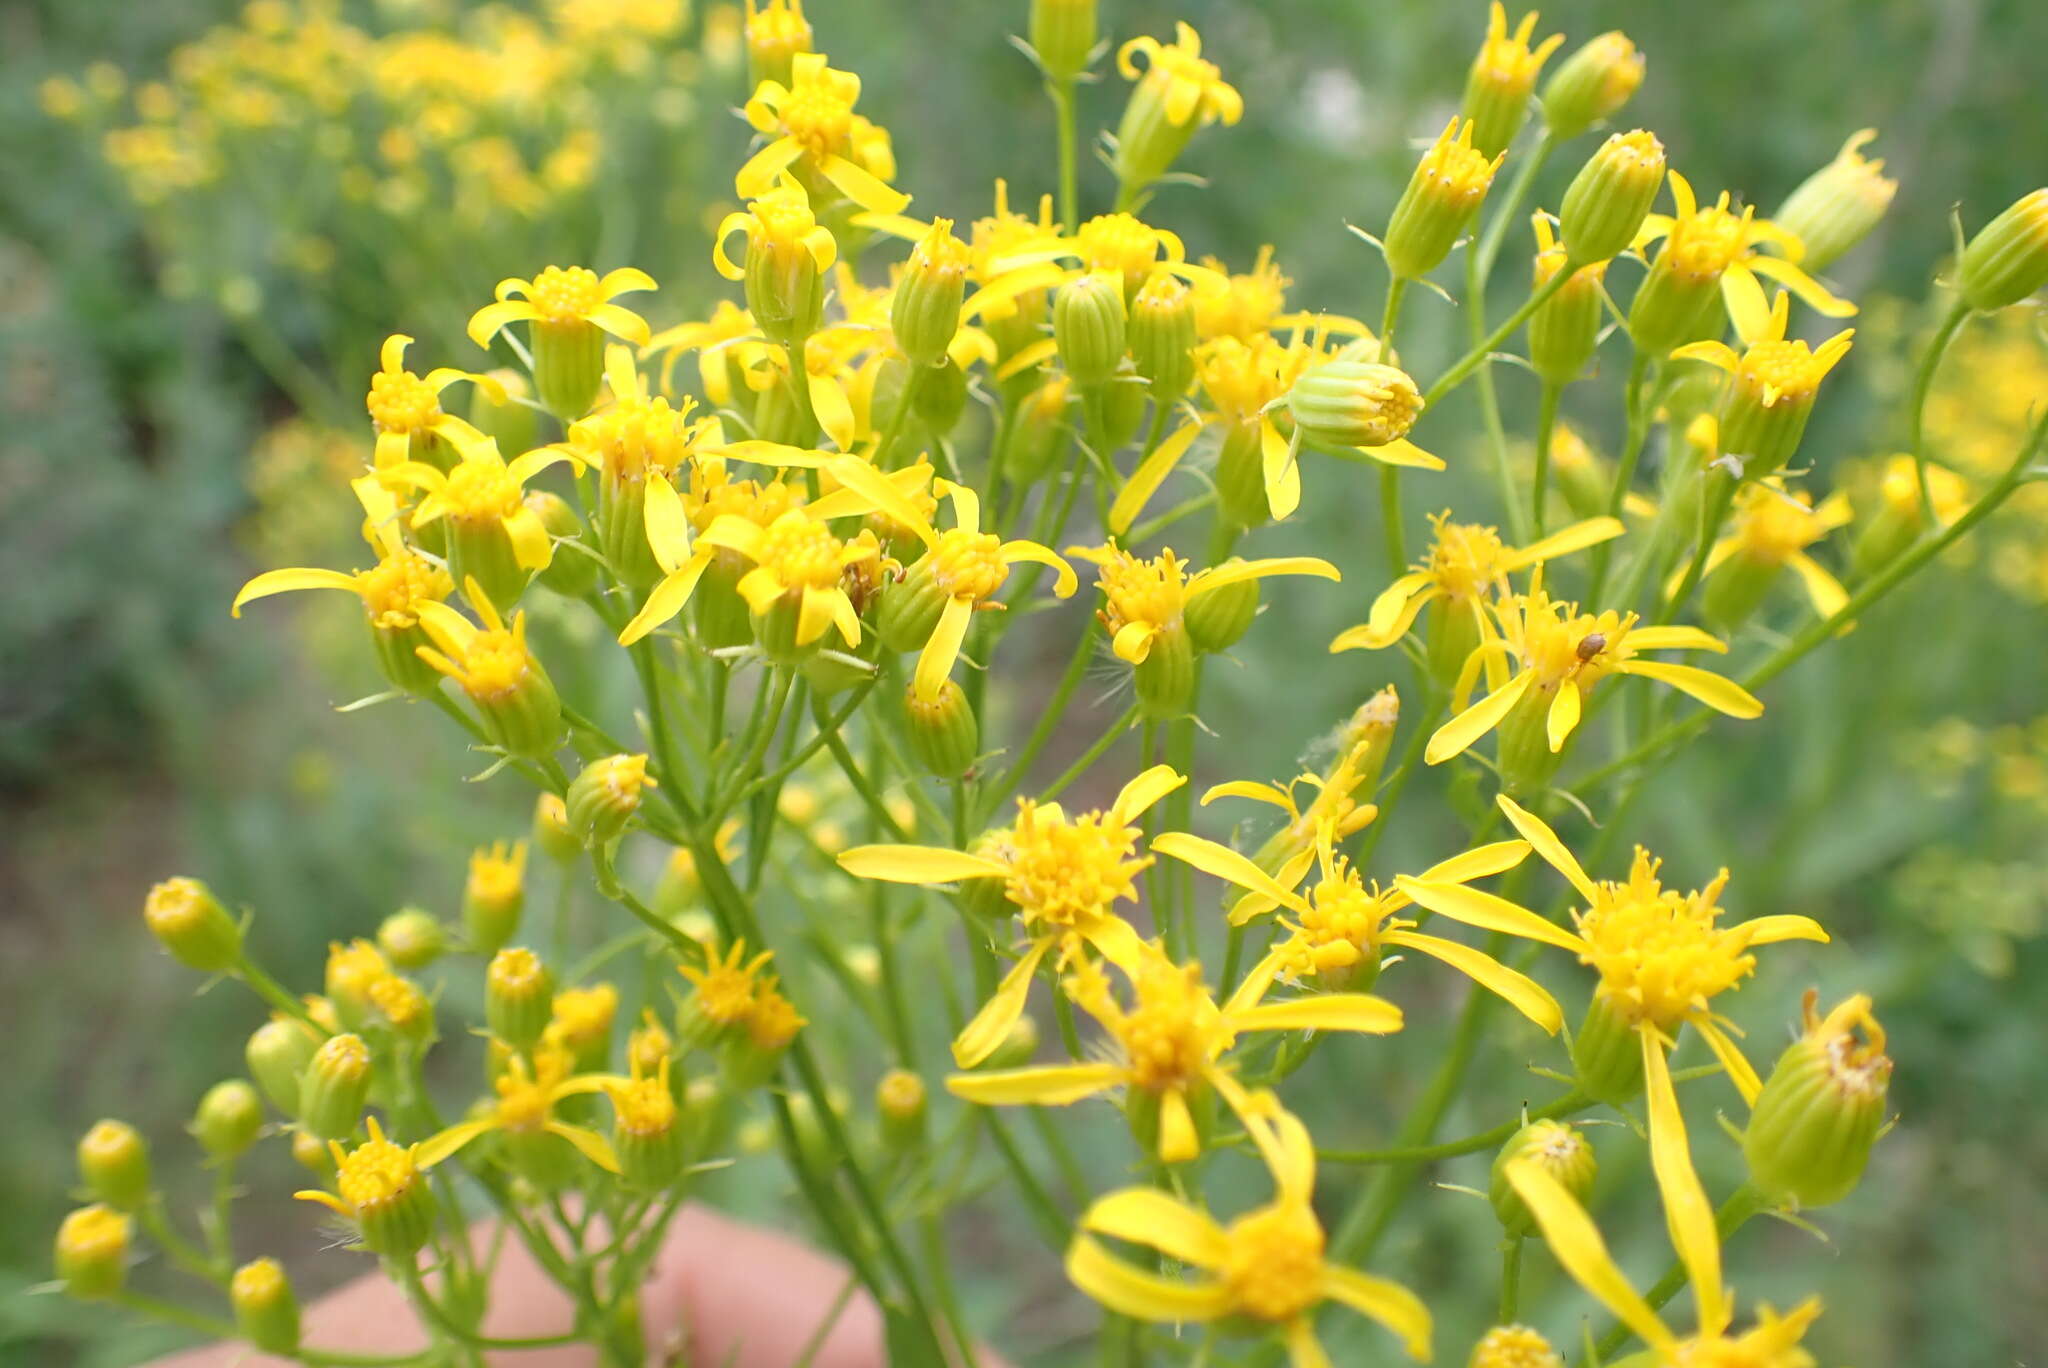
(1497, 857)
(915, 864)
(1064, 582)
(665, 600)
(1823, 590)
(1716, 353)
(666, 524)
(935, 662)
(1577, 537)
(625, 280)
(1236, 572)
(1052, 1085)
(1517, 989)
(1324, 1012)
(1687, 1211)
(863, 187)
(1404, 453)
(1226, 864)
(1179, 1141)
(833, 410)
(1394, 611)
(1304, 1350)
(1748, 310)
(1782, 926)
(1576, 1242)
(1150, 1217)
(620, 321)
(1150, 474)
(1720, 694)
(589, 1143)
(882, 493)
(1280, 467)
(1385, 1301)
(1810, 291)
(1454, 737)
(487, 322)
(1487, 911)
(1141, 793)
(1563, 717)
(1133, 1292)
(757, 177)
(980, 1037)
(1538, 834)
(1732, 1059)
(1252, 789)
(1133, 642)
(286, 581)
(532, 547)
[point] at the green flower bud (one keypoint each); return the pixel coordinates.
(1895, 522)
(277, 1054)
(1166, 676)
(1088, 326)
(310, 1152)
(189, 922)
(924, 311)
(1503, 74)
(519, 995)
(1578, 473)
(941, 397)
(1592, 84)
(1564, 331)
(1162, 335)
(1812, 1126)
(229, 1119)
(900, 1101)
(1606, 203)
(412, 938)
(568, 364)
(380, 1188)
(2008, 259)
(776, 33)
(908, 610)
(1123, 405)
(1063, 36)
(266, 1312)
(1607, 1056)
(1558, 1149)
(720, 614)
(334, 1087)
(113, 1161)
(1218, 619)
(1039, 433)
(1770, 395)
(1241, 478)
(604, 795)
(1442, 198)
(1836, 207)
(551, 831)
(944, 735)
(788, 254)
(92, 1252)
(1355, 403)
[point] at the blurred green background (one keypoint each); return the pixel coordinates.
(1897, 790)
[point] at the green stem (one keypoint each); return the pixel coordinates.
(1510, 1279)
(1466, 364)
(1062, 94)
(1390, 317)
(1625, 469)
(1571, 1102)
(273, 992)
(182, 1251)
(1390, 521)
(1546, 432)
(1923, 381)
(1048, 720)
(1091, 755)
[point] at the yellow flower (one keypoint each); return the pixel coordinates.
(559, 297)
(1188, 86)
(1560, 653)
(527, 1097)
(1716, 243)
(380, 1188)
(727, 341)
(795, 558)
(1771, 527)
(814, 125)
(1335, 802)
(1772, 383)
(1143, 598)
(403, 405)
(393, 591)
(640, 435)
(1065, 876)
(1773, 1342)
(1266, 1266)
(484, 499)
(1169, 1043)
(1899, 489)
(1117, 244)
(1468, 566)
(728, 985)
(1342, 924)
(489, 662)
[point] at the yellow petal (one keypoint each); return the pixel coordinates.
(1576, 1242)
(1247, 788)
(1393, 612)
(625, 280)
(1327, 1012)
(1823, 590)
(1454, 737)
(1133, 1292)
(1053, 1085)
(1487, 911)
(1497, 857)
(1304, 1350)
(1150, 474)
(1731, 1057)
(285, 581)
(1687, 1211)
(1226, 864)
(1748, 310)
(935, 662)
(590, 1144)
(1179, 1141)
(881, 493)
(1064, 580)
(1810, 291)
(1149, 1217)
(666, 524)
(1406, 454)
(326, 1199)
(981, 1036)
(1236, 572)
(1782, 926)
(757, 177)
(1722, 695)
(1387, 1302)
(1717, 354)
(1577, 537)
(1518, 990)
(862, 187)
(1674, 639)
(1280, 466)
(1133, 642)
(1145, 790)
(434, 1149)
(665, 601)
(532, 547)
(913, 864)
(488, 321)
(833, 410)
(1538, 834)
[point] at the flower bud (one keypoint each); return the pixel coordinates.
(944, 735)
(1895, 523)
(189, 922)
(901, 1103)
(379, 1186)
(509, 421)
(334, 1087)
(941, 398)
(412, 938)
(1039, 433)
(1608, 200)
(403, 1006)
(1812, 1126)
(648, 1136)
(92, 1252)
(1836, 207)
(649, 1048)
(1178, 92)
(266, 1312)
(494, 896)
(277, 1055)
(113, 1161)
(1503, 75)
(1165, 678)
(581, 1023)
(551, 830)
(1088, 326)
(570, 573)
(924, 311)
(776, 33)
(2008, 259)
(1217, 620)
(1514, 1346)
(604, 795)
(229, 1119)
(1162, 335)
(1355, 403)
(351, 970)
(519, 995)
(1241, 478)
(1063, 36)
(1606, 1056)
(1564, 331)
(1442, 198)
(1560, 1150)
(310, 1152)
(1592, 84)
(788, 253)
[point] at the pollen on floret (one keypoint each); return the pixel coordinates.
(1168, 1033)
(1065, 871)
(726, 986)
(564, 295)
(1148, 591)
(1660, 953)
(801, 552)
(968, 565)
(374, 1174)
(400, 401)
(393, 589)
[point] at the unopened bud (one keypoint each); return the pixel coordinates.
(944, 735)
(569, 573)
(1178, 92)
(1607, 1056)
(1592, 84)
(351, 971)
(1564, 331)
(901, 1102)
(189, 922)
(2008, 259)
(551, 829)
(1442, 198)
(776, 33)
(604, 795)
(402, 1005)
(334, 1087)
(1560, 1150)
(1606, 203)
(92, 1252)
(1063, 35)
(277, 1055)
(113, 1161)
(1217, 619)
(1355, 403)
(1836, 207)
(1812, 1127)
(506, 419)
(1040, 431)
(924, 311)
(1162, 335)
(266, 1312)
(229, 1119)
(1088, 326)
(519, 995)
(494, 896)
(412, 938)
(1502, 77)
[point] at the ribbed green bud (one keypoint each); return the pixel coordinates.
(1837, 206)
(1088, 325)
(1607, 1056)
(334, 1086)
(924, 311)
(1218, 619)
(568, 365)
(1736, 589)
(1241, 478)
(92, 1252)
(1063, 34)
(398, 656)
(266, 1311)
(784, 269)
(412, 937)
(1592, 84)
(944, 735)
(113, 1162)
(721, 615)
(189, 921)
(229, 1118)
(1502, 77)
(1442, 198)
(1606, 203)
(1812, 1127)
(1564, 331)
(901, 1103)
(1560, 1150)
(1122, 406)
(622, 527)
(604, 795)
(648, 1135)
(1166, 676)
(2008, 259)
(1162, 335)
(1355, 403)
(909, 609)
(519, 996)
(480, 549)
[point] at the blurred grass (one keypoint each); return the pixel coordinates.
(141, 733)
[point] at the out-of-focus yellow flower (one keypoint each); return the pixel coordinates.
(1772, 384)
(814, 127)
(527, 1098)
(1771, 528)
